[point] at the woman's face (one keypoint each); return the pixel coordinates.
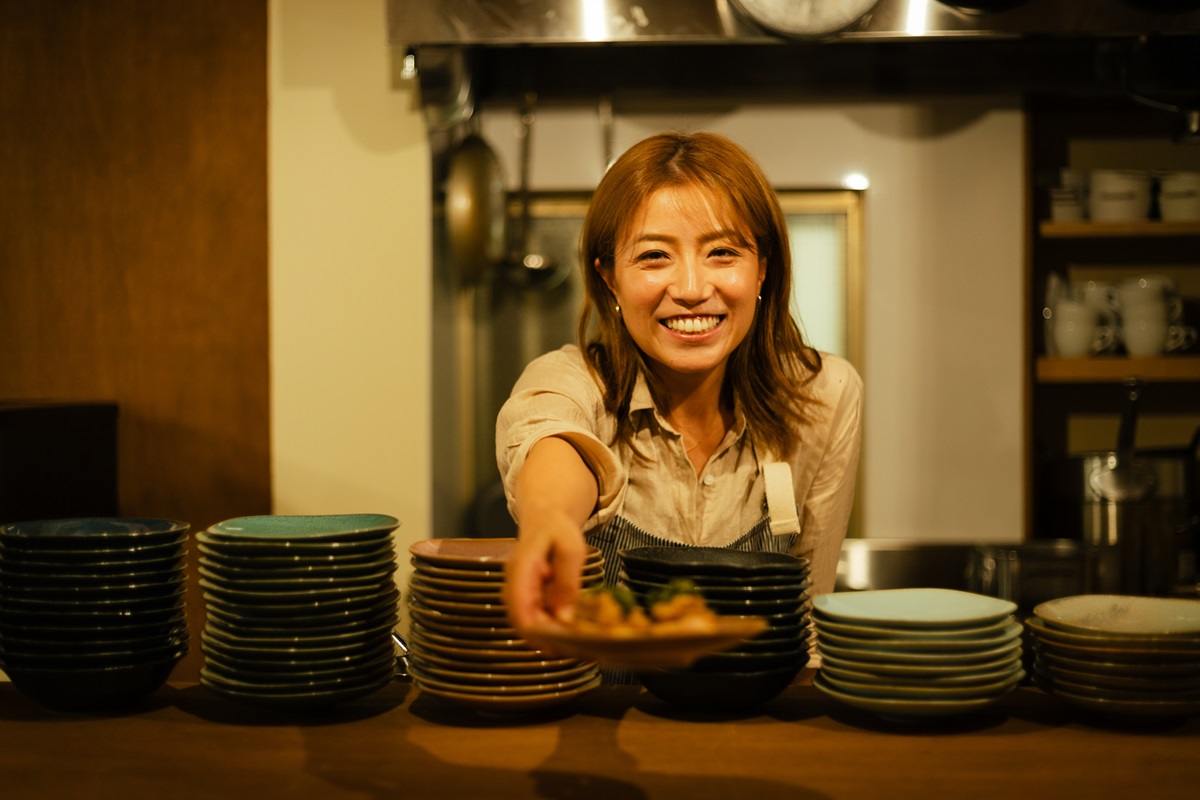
(686, 281)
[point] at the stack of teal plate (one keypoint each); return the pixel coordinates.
(1118, 654)
(462, 648)
(299, 610)
(914, 653)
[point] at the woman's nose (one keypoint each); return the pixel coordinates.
(690, 284)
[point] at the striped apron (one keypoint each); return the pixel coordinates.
(777, 532)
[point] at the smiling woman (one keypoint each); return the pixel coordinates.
(679, 417)
(686, 283)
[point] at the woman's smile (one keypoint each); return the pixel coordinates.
(694, 325)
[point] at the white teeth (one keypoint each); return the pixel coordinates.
(692, 324)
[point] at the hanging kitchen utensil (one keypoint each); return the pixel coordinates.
(805, 18)
(476, 217)
(523, 268)
(605, 112)
(1122, 478)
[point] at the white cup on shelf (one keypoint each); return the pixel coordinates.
(1119, 195)
(1101, 296)
(1149, 290)
(1147, 331)
(1179, 196)
(1066, 206)
(1078, 331)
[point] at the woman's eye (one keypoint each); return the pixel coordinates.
(724, 252)
(652, 256)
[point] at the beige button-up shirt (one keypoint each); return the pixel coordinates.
(662, 494)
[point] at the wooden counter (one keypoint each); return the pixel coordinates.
(617, 743)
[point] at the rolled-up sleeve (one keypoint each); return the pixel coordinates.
(830, 498)
(556, 395)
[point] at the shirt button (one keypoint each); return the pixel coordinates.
(708, 480)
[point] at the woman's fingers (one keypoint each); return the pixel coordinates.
(562, 588)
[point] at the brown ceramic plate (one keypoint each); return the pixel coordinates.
(493, 703)
(468, 553)
(653, 648)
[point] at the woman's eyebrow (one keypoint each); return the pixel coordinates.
(724, 233)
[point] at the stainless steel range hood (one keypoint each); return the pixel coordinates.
(514, 22)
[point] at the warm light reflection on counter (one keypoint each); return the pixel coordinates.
(916, 22)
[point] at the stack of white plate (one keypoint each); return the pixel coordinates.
(299, 610)
(1134, 656)
(461, 645)
(911, 653)
(92, 609)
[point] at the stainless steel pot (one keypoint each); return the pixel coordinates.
(1141, 542)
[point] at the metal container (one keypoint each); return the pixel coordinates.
(869, 564)
(1137, 514)
(1032, 572)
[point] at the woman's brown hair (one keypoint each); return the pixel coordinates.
(767, 373)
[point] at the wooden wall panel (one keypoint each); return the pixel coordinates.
(133, 239)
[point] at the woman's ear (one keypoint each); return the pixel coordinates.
(607, 275)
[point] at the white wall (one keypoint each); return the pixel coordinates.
(943, 282)
(349, 271)
(350, 277)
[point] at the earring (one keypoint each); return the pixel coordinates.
(618, 309)
(760, 298)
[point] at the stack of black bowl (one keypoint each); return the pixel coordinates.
(92, 610)
(771, 585)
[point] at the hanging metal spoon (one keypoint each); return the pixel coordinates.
(1123, 478)
(525, 268)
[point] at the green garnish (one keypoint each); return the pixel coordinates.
(674, 588)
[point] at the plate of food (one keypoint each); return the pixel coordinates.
(673, 629)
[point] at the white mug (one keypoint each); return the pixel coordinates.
(1147, 331)
(1119, 195)
(1179, 196)
(1065, 206)
(1077, 330)
(1152, 290)
(1099, 295)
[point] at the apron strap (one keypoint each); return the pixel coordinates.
(781, 498)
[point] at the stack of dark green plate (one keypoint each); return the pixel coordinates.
(92, 614)
(773, 586)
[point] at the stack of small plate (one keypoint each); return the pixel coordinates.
(1132, 656)
(92, 610)
(773, 586)
(299, 610)
(461, 646)
(912, 653)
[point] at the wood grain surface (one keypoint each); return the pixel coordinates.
(133, 239)
(615, 743)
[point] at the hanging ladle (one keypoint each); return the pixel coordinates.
(1122, 478)
(524, 268)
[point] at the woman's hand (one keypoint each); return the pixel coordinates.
(543, 573)
(555, 495)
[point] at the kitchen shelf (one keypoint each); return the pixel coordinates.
(1115, 369)
(1095, 230)
(1081, 133)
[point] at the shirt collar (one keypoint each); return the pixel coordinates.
(641, 400)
